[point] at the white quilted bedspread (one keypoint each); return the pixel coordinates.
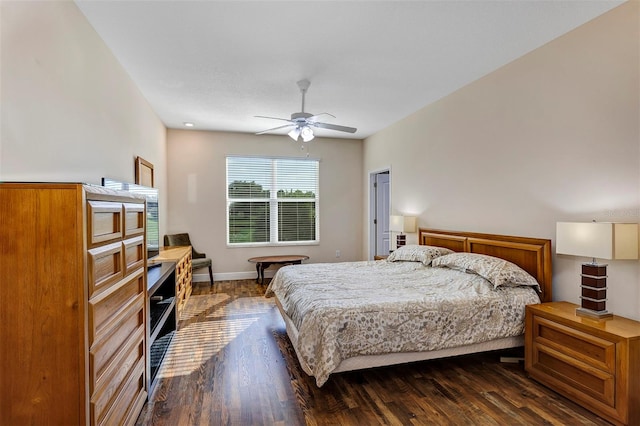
(347, 309)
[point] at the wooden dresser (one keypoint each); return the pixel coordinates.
(72, 290)
(182, 257)
(595, 363)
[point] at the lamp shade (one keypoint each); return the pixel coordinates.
(396, 223)
(600, 240)
(294, 134)
(307, 134)
(410, 224)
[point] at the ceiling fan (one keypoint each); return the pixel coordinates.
(302, 123)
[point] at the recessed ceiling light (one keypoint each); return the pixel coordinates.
(187, 124)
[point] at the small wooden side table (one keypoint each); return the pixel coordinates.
(594, 363)
(263, 262)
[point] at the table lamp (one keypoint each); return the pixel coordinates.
(396, 224)
(601, 240)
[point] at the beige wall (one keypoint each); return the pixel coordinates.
(69, 110)
(552, 136)
(197, 195)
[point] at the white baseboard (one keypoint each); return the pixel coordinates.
(228, 276)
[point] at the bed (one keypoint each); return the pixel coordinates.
(453, 294)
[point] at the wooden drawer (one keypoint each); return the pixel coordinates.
(134, 219)
(104, 221)
(105, 267)
(110, 342)
(584, 347)
(127, 400)
(106, 308)
(567, 372)
(135, 408)
(134, 253)
(111, 383)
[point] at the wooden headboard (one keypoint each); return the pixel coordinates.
(531, 254)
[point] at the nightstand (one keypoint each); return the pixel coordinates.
(595, 363)
(380, 256)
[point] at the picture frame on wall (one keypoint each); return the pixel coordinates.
(144, 173)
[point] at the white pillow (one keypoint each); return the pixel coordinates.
(498, 272)
(416, 253)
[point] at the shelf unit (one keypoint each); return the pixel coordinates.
(162, 320)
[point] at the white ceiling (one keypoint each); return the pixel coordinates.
(370, 63)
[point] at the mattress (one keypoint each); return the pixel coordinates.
(342, 311)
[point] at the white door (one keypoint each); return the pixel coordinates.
(380, 210)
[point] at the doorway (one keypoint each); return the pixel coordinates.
(379, 211)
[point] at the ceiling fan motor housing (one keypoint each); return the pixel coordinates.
(300, 116)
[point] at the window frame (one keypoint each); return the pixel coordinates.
(272, 203)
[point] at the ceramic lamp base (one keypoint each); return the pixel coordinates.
(594, 292)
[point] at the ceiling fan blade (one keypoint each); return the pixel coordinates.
(272, 118)
(276, 128)
(315, 117)
(302, 121)
(334, 127)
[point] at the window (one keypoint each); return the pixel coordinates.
(271, 201)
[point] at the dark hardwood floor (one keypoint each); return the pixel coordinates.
(231, 363)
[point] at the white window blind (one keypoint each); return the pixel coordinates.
(272, 200)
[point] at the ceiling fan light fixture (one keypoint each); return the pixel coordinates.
(307, 134)
(303, 122)
(294, 133)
